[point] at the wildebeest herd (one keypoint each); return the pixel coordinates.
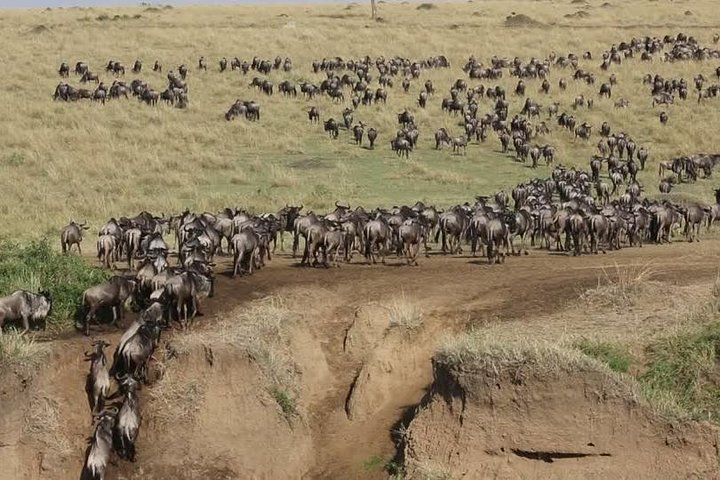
(572, 210)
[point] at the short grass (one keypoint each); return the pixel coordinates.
(615, 355)
(60, 161)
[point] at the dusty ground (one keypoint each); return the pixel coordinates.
(358, 377)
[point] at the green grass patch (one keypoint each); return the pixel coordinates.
(616, 356)
(684, 369)
(286, 402)
(36, 266)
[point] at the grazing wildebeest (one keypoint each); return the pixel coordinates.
(25, 306)
(72, 234)
(113, 294)
(442, 136)
(64, 70)
(157, 67)
(663, 118)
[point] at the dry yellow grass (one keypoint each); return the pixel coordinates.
(83, 160)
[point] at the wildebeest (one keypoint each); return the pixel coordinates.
(72, 234)
(100, 447)
(25, 306)
(358, 132)
(187, 288)
(64, 70)
(331, 127)
(376, 236)
(97, 386)
(137, 344)
(127, 421)
(372, 136)
(106, 249)
(113, 294)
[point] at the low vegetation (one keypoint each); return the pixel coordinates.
(404, 313)
(21, 355)
(615, 355)
(682, 369)
(621, 285)
(37, 266)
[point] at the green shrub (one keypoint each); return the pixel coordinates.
(287, 404)
(684, 368)
(616, 356)
(36, 266)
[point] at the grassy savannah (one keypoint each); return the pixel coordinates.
(86, 161)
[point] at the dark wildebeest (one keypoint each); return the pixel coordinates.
(25, 306)
(188, 287)
(376, 234)
(358, 132)
(137, 344)
(72, 234)
(314, 115)
(113, 293)
(372, 135)
(332, 128)
(64, 70)
(97, 385)
(442, 136)
(157, 67)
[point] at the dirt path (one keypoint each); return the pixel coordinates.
(453, 293)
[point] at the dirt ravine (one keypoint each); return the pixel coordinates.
(358, 376)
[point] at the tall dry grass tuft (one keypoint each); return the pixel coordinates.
(621, 285)
(21, 354)
(404, 313)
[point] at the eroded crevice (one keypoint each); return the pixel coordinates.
(551, 456)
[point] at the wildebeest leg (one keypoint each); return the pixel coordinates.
(26, 324)
(90, 315)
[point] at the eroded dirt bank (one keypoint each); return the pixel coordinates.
(358, 373)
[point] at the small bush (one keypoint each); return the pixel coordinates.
(36, 266)
(617, 357)
(286, 402)
(426, 6)
(405, 314)
(102, 18)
